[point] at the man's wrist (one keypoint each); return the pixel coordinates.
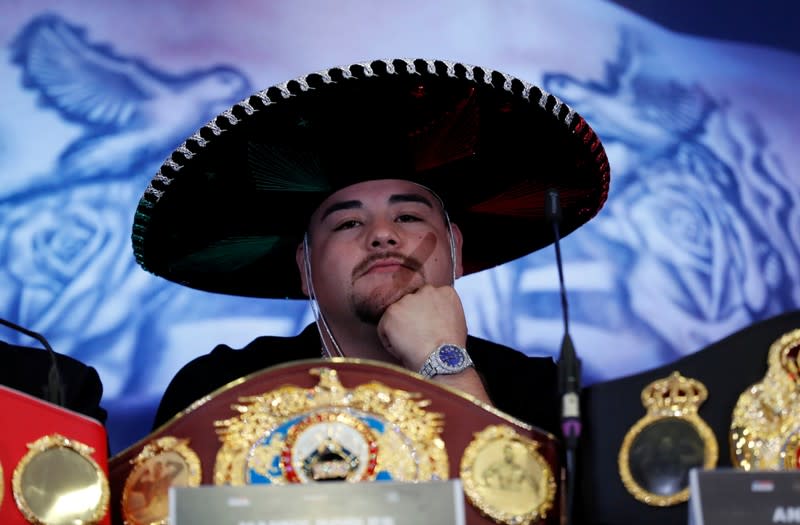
(447, 359)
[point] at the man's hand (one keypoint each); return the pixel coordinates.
(417, 324)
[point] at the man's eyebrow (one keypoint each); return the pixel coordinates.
(343, 205)
(393, 199)
(410, 197)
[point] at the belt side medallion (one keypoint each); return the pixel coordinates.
(164, 463)
(765, 425)
(329, 432)
(661, 448)
(506, 478)
(57, 482)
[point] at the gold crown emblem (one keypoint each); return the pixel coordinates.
(660, 449)
(763, 432)
(784, 354)
(675, 393)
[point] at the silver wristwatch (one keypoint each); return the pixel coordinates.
(445, 360)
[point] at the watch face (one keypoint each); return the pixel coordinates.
(451, 356)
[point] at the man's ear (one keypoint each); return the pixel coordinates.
(458, 238)
(299, 257)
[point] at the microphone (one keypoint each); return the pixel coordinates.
(54, 392)
(569, 366)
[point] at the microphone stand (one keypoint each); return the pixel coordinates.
(55, 388)
(569, 366)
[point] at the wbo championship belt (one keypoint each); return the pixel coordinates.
(332, 420)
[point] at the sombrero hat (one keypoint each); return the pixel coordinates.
(227, 210)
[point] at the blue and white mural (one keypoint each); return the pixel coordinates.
(700, 236)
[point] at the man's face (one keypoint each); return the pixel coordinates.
(373, 242)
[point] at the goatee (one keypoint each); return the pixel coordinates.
(370, 309)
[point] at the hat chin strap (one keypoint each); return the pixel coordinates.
(319, 318)
(452, 243)
(449, 226)
(322, 324)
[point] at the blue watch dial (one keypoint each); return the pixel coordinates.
(447, 359)
(451, 356)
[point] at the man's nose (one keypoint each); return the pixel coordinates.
(383, 233)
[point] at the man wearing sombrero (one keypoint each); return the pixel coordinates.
(341, 186)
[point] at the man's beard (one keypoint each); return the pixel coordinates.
(369, 309)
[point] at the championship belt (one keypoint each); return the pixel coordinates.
(765, 427)
(53, 464)
(332, 420)
(661, 448)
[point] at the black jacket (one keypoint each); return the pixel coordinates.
(521, 386)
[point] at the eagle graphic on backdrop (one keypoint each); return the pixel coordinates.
(695, 220)
(66, 267)
(132, 113)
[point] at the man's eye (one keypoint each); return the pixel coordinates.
(407, 218)
(346, 225)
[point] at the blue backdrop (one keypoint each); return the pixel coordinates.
(699, 237)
